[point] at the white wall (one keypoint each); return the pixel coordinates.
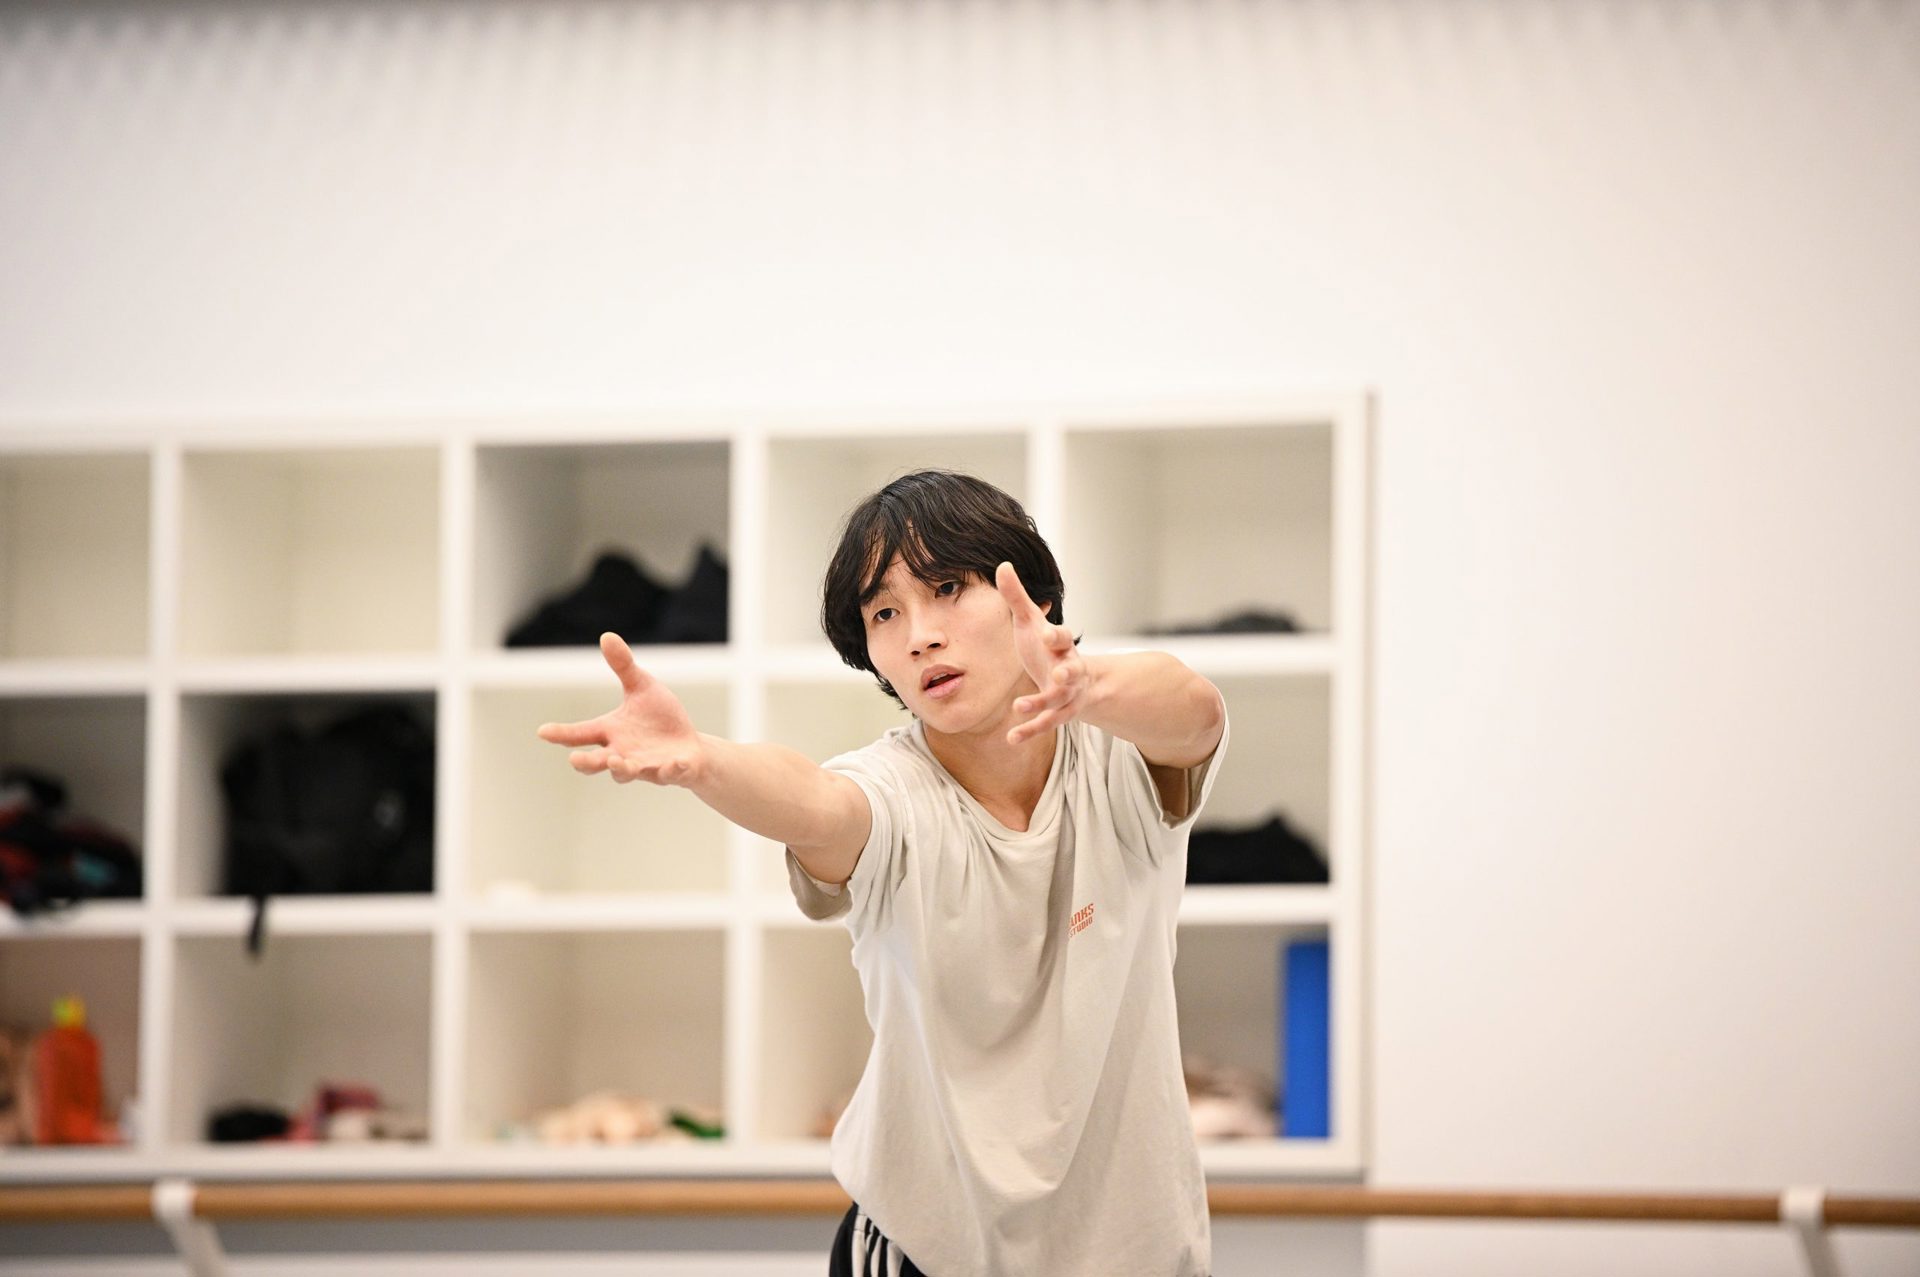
(1637, 284)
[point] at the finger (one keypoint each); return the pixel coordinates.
(1055, 715)
(1062, 687)
(1055, 689)
(1008, 582)
(1042, 701)
(620, 661)
(592, 732)
(1034, 726)
(588, 762)
(670, 772)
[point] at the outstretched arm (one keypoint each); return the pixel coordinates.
(774, 791)
(1153, 699)
(780, 793)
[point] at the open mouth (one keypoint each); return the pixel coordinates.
(941, 685)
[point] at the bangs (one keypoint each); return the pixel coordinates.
(894, 535)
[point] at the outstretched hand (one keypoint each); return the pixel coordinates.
(1051, 660)
(648, 736)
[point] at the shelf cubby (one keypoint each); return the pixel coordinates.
(310, 552)
(545, 512)
(212, 727)
(96, 746)
(309, 1010)
(74, 554)
(1279, 760)
(814, 483)
(104, 972)
(1239, 1023)
(539, 827)
(1180, 525)
(557, 1016)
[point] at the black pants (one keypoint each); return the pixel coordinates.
(859, 1250)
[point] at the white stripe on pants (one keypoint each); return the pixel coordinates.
(873, 1254)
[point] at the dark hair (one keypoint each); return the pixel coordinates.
(941, 524)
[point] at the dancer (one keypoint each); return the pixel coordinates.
(1009, 864)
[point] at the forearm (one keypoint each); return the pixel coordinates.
(1152, 699)
(776, 792)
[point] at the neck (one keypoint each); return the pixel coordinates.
(999, 775)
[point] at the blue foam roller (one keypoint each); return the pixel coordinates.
(1304, 1066)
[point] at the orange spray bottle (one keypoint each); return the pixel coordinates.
(66, 1079)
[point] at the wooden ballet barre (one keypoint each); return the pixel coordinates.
(217, 1202)
(1679, 1208)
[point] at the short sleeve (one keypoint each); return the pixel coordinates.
(1136, 799)
(877, 857)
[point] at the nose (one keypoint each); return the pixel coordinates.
(926, 634)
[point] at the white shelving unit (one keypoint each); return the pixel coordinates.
(166, 590)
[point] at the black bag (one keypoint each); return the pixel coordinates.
(346, 809)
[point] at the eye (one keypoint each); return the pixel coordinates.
(945, 586)
(881, 615)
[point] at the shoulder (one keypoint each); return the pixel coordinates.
(887, 750)
(896, 762)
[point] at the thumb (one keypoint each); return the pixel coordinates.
(619, 659)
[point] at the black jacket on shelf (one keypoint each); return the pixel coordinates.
(1248, 621)
(51, 859)
(697, 611)
(619, 595)
(1270, 853)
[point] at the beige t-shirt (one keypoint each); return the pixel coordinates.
(1023, 1109)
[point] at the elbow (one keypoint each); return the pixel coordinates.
(1204, 721)
(1213, 718)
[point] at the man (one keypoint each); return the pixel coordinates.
(1009, 865)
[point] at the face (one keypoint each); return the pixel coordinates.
(916, 630)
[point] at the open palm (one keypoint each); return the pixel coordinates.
(648, 736)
